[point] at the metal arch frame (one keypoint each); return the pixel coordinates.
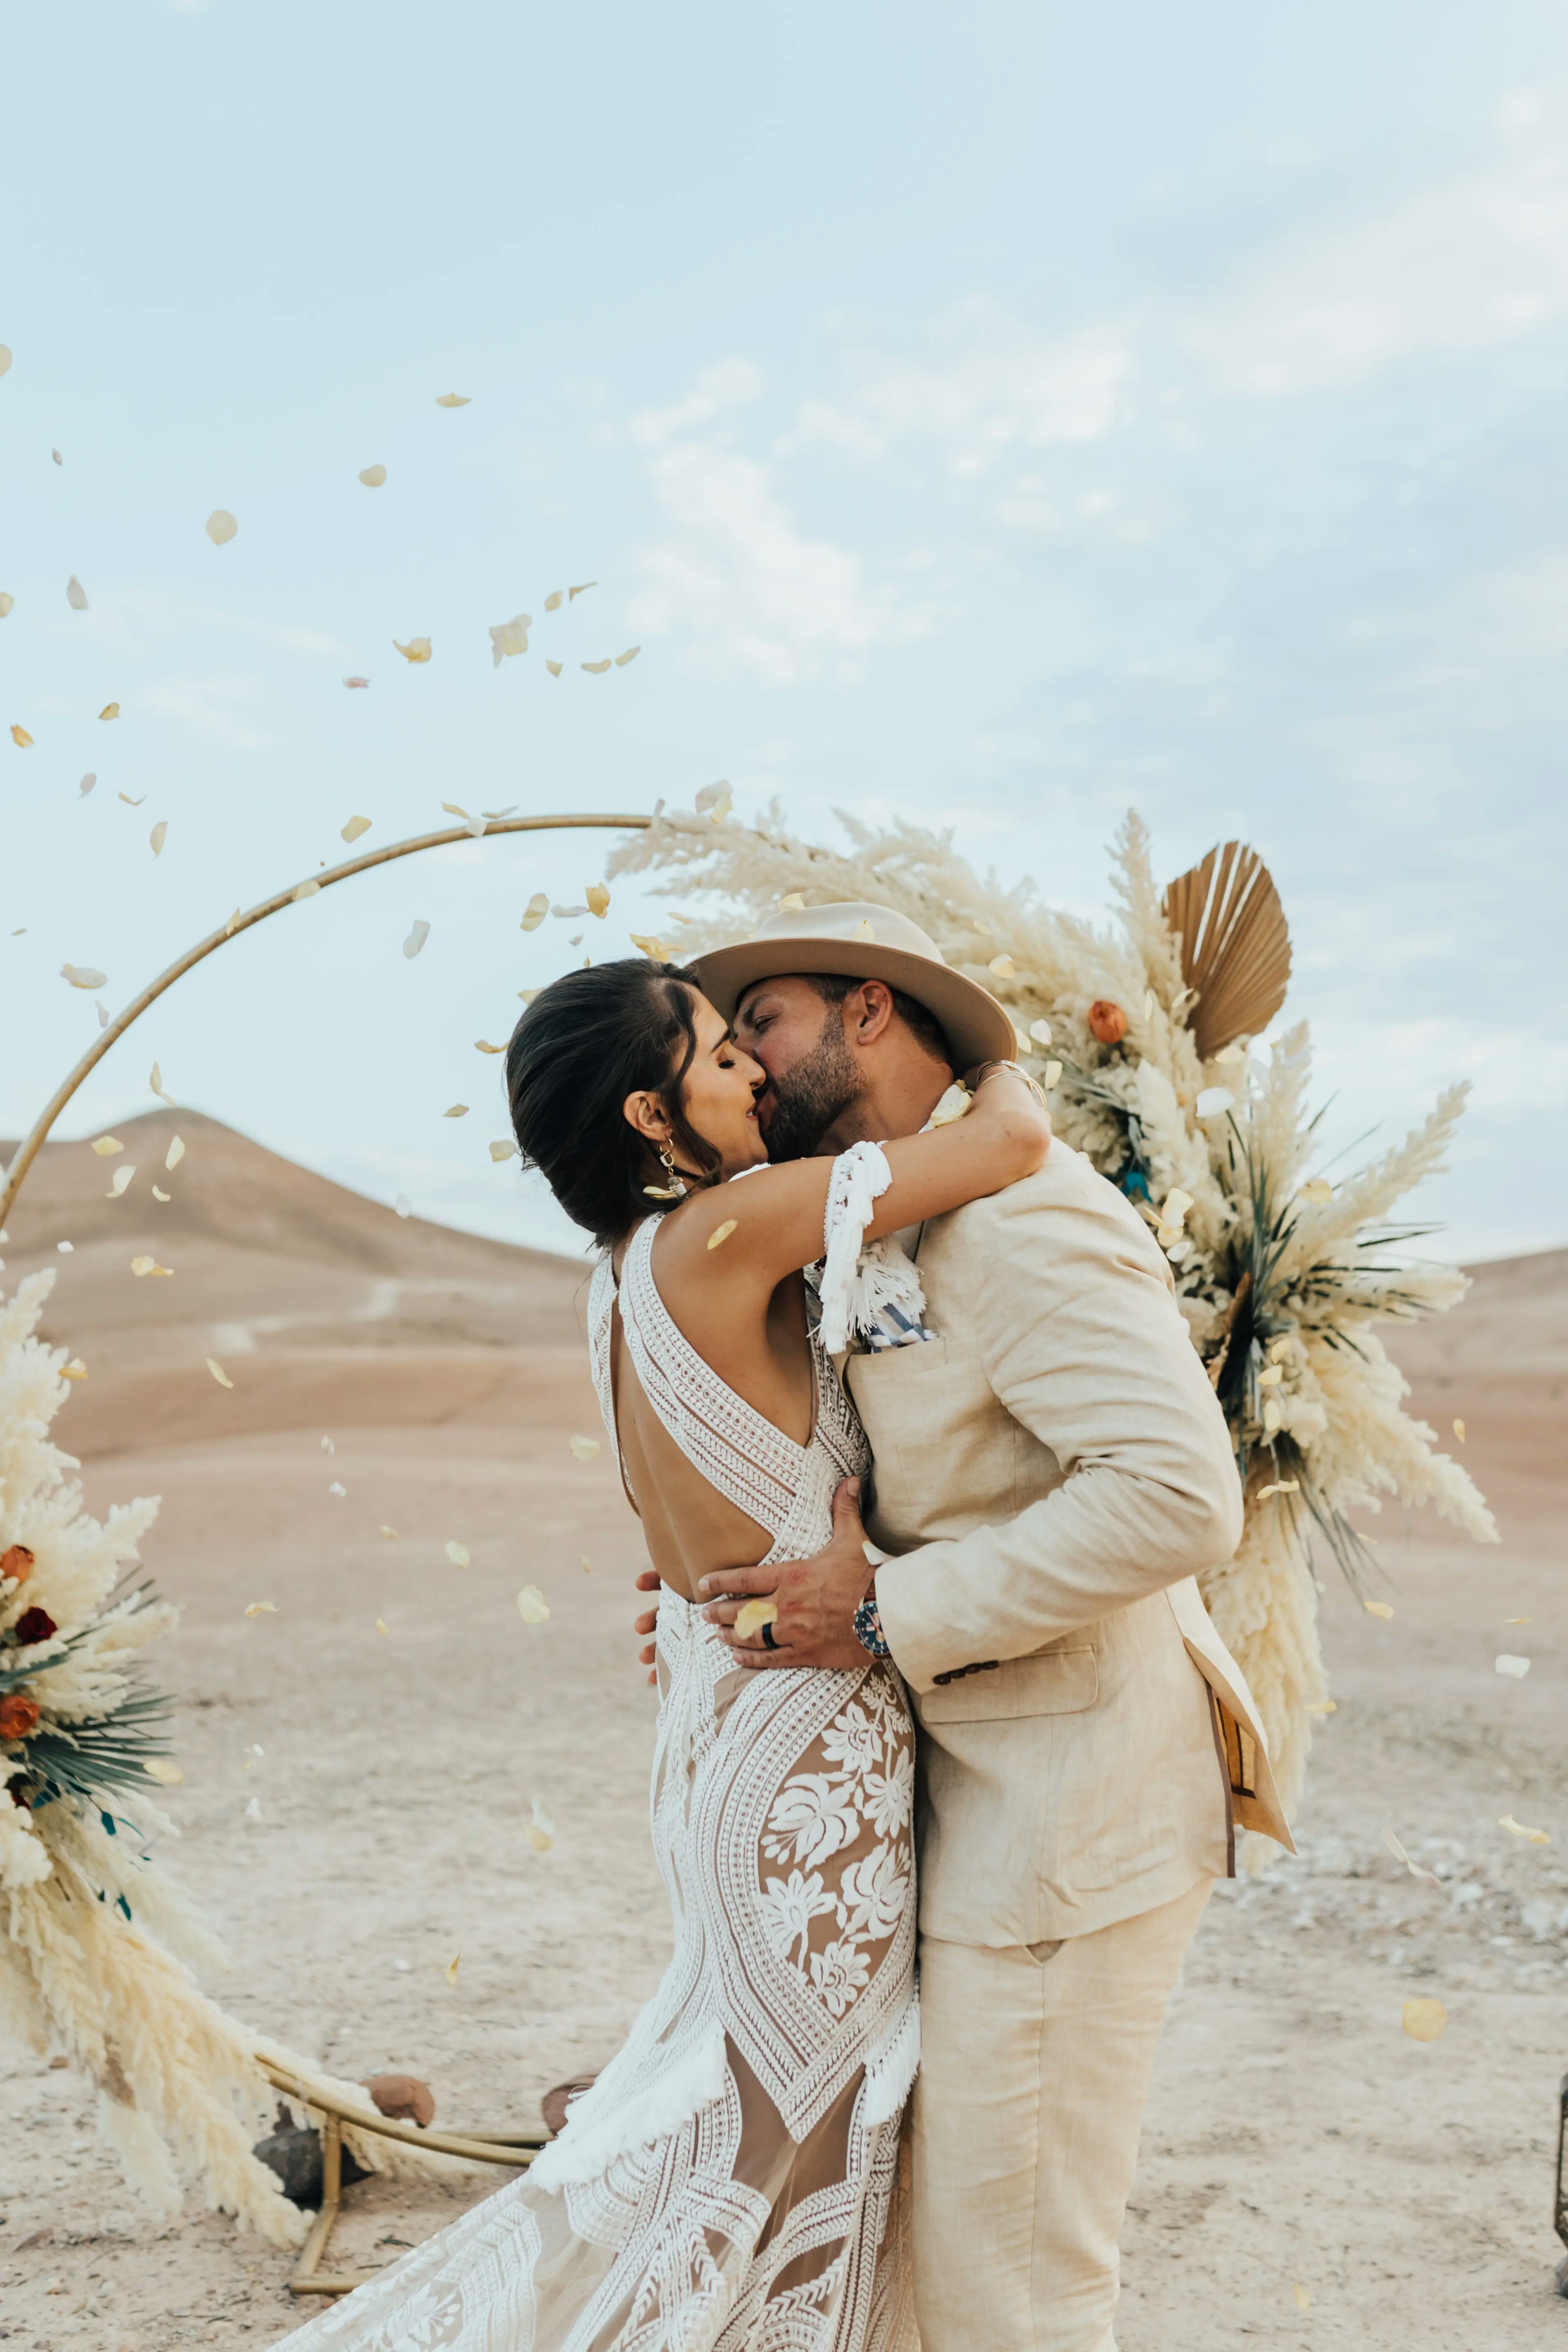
(28, 1150)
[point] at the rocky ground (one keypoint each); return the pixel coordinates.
(1309, 2174)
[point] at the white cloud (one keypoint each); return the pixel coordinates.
(205, 704)
(736, 576)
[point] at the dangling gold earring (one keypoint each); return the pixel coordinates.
(676, 1189)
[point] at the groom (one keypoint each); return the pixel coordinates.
(1050, 1467)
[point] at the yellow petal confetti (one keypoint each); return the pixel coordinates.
(1040, 1032)
(953, 1104)
(306, 890)
(5, 357)
(219, 1375)
(721, 1233)
(1423, 2019)
(552, 602)
(23, 741)
(1378, 1608)
(390, 1533)
(531, 1605)
(417, 650)
(457, 1111)
(587, 1564)
(381, 1625)
(109, 710)
(175, 1154)
(262, 1609)
(456, 1553)
(1318, 1190)
(629, 655)
(581, 590)
(75, 1370)
(1394, 1848)
(161, 1196)
(536, 910)
(594, 669)
(1302, 2299)
(452, 1963)
(752, 1615)
(541, 1830)
(509, 637)
(1507, 1621)
(714, 802)
(221, 526)
(1460, 1430)
(554, 667)
(483, 1046)
(416, 939)
(354, 827)
(106, 1146)
(864, 930)
(796, 902)
(599, 900)
(506, 1149)
(373, 477)
(1516, 1667)
(1271, 1376)
(1001, 967)
(1279, 1486)
(76, 594)
(158, 836)
(139, 1265)
(1052, 1075)
(1322, 1707)
(163, 1769)
(1518, 1830)
(1174, 1211)
(583, 1449)
(1213, 1101)
(8, 603)
(453, 399)
(528, 994)
(133, 803)
(119, 1182)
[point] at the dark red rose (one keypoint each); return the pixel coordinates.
(17, 1562)
(18, 1716)
(35, 1626)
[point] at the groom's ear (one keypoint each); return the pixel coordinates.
(867, 1012)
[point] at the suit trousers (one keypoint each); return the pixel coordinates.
(1026, 2115)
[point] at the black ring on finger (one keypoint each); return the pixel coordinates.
(768, 1641)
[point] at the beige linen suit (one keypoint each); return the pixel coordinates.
(1050, 1470)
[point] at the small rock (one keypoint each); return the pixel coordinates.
(403, 2097)
(294, 2153)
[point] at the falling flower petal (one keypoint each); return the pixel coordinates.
(139, 1265)
(541, 1830)
(531, 1605)
(506, 1150)
(106, 1146)
(8, 603)
(494, 816)
(1175, 1207)
(568, 915)
(1507, 1621)
(373, 477)
(714, 802)
(452, 1963)
(58, 459)
(482, 1045)
(953, 1104)
(102, 1011)
(403, 1205)
(416, 939)
(5, 357)
(109, 710)
(457, 1111)
(554, 667)
(599, 900)
(587, 1564)
(721, 1233)
(262, 1609)
(752, 1615)
(219, 1375)
(253, 1811)
(1040, 1031)
(1279, 1486)
(1518, 1830)
(1423, 2019)
(158, 836)
(65, 1248)
(221, 526)
(1001, 967)
(1302, 2299)
(356, 681)
(132, 804)
(161, 1196)
(535, 911)
(328, 1446)
(83, 975)
(552, 602)
(1517, 1668)
(458, 1554)
(1460, 1430)
(163, 1769)
(88, 783)
(306, 890)
(453, 399)
(338, 1489)
(381, 1625)
(594, 669)
(510, 636)
(1392, 1842)
(1317, 1190)
(75, 1370)
(1377, 1608)
(174, 1154)
(629, 655)
(1052, 1075)
(391, 1534)
(76, 594)
(354, 827)
(24, 741)
(581, 590)
(417, 650)
(119, 1183)
(1234, 1052)
(583, 1449)
(528, 994)
(1213, 1100)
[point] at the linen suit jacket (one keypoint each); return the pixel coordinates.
(1050, 1472)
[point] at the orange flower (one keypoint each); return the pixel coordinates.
(1107, 1022)
(16, 1563)
(18, 1716)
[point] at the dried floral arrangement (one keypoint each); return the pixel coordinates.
(1143, 1034)
(100, 1950)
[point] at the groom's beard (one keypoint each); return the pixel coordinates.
(808, 1097)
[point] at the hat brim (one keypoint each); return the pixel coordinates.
(976, 1027)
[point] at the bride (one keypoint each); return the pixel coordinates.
(728, 2184)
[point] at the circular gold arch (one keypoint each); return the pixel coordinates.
(28, 1150)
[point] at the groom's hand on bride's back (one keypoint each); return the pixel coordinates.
(817, 1598)
(649, 1580)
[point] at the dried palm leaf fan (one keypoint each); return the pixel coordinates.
(1236, 944)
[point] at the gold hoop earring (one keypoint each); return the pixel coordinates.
(676, 1188)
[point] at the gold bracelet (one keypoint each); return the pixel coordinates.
(1013, 1069)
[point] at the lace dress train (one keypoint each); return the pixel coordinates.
(730, 2183)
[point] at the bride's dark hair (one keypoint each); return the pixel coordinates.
(585, 1043)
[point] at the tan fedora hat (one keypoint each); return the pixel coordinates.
(864, 942)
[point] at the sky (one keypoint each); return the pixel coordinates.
(1000, 418)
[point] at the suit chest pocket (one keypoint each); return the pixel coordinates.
(943, 1450)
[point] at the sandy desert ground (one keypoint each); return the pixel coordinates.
(1297, 2137)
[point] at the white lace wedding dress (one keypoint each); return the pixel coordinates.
(730, 2183)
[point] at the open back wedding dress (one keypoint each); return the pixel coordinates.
(730, 2182)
